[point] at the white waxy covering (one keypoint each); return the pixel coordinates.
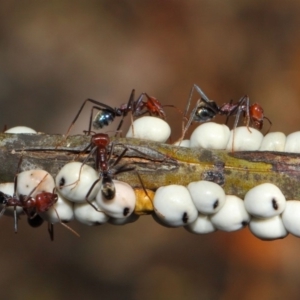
(201, 225)
(174, 206)
(264, 201)
(183, 143)
(292, 143)
(86, 214)
(8, 189)
(244, 140)
(20, 129)
(64, 209)
(208, 196)
(74, 181)
(150, 128)
(290, 217)
(122, 205)
(273, 141)
(37, 180)
(210, 135)
(232, 216)
(268, 229)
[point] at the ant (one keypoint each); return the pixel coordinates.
(99, 147)
(206, 109)
(106, 114)
(40, 203)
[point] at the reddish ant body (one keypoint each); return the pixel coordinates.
(206, 109)
(32, 206)
(107, 114)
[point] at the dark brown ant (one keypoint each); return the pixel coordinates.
(31, 206)
(106, 114)
(205, 110)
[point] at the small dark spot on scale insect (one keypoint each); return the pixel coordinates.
(244, 223)
(27, 185)
(126, 211)
(216, 204)
(274, 203)
(62, 182)
(185, 218)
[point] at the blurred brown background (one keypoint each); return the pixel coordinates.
(55, 54)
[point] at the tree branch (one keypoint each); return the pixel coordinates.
(157, 164)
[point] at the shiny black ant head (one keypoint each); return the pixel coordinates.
(108, 189)
(103, 118)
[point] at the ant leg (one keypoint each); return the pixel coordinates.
(63, 224)
(269, 123)
(101, 106)
(15, 219)
(89, 192)
(129, 106)
(51, 231)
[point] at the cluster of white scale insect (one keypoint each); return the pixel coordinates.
(201, 207)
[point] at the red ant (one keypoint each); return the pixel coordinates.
(107, 114)
(31, 205)
(206, 109)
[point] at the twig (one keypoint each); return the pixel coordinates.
(157, 164)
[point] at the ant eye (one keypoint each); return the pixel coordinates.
(182, 213)
(232, 215)
(208, 196)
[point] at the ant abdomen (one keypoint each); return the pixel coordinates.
(108, 189)
(204, 114)
(103, 118)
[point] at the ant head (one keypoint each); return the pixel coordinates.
(154, 106)
(100, 140)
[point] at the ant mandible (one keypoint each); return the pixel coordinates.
(107, 114)
(205, 110)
